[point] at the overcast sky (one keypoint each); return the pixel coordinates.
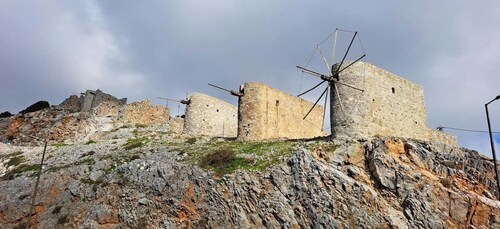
(51, 49)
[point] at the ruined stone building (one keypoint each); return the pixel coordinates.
(209, 116)
(90, 100)
(388, 106)
(266, 113)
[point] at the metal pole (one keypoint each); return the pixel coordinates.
(493, 148)
(36, 186)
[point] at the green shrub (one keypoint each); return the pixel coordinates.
(57, 209)
(90, 153)
(90, 142)
(10, 175)
(21, 226)
(63, 220)
(58, 145)
(138, 125)
(15, 161)
(223, 161)
(191, 140)
(133, 143)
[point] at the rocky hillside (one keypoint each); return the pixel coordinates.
(136, 177)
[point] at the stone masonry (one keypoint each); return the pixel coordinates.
(266, 113)
(209, 116)
(388, 106)
(91, 99)
(144, 113)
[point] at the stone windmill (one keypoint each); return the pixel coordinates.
(334, 80)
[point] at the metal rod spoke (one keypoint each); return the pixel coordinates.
(317, 85)
(324, 108)
(347, 85)
(219, 87)
(309, 71)
(316, 102)
(324, 59)
(340, 101)
(351, 64)
(173, 100)
(348, 48)
(334, 46)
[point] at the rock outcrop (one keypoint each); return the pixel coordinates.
(380, 183)
(78, 119)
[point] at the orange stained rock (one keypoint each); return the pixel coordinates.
(182, 216)
(39, 209)
(14, 127)
(481, 216)
(188, 202)
(395, 146)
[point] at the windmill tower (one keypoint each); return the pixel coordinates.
(337, 88)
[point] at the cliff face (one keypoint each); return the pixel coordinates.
(155, 181)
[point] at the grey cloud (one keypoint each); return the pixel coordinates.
(168, 48)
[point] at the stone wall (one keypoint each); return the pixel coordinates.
(107, 109)
(209, 116)
(176, 125)
(144, 113)
(267, 114)
(441, 137)
(388, 106)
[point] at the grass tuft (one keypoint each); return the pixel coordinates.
(133, 143)
(90, 142)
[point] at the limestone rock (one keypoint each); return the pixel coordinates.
(111, 189)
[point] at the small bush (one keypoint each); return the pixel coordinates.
(191, 140)
(220, 158)
(58, 145)
(138, 125)
(5, 114)
(90, 142)
(63, 220)
(90, 153)
(10, 175)
(16, 160)
(135, 157)
(57, 209)
(445, 182)
(224, 161)
(133, 143)
(21, 226)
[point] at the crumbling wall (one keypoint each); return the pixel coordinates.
(209, 116)
(107, 109)
(441, 137)
(144, 113)
(72, 104)
(389, 105)
(266, 113)
(92, 99)
(176, 125)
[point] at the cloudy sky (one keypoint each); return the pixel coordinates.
(51, 49)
